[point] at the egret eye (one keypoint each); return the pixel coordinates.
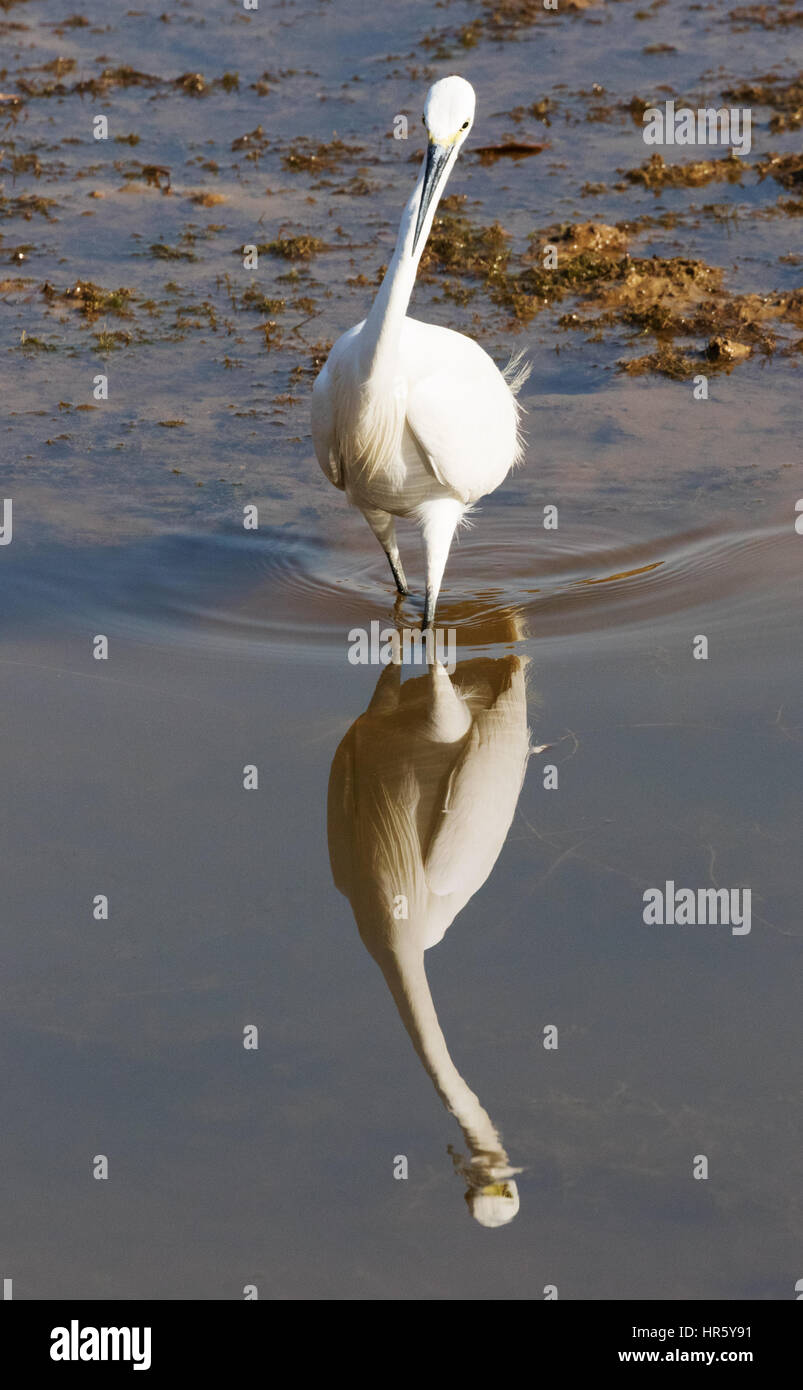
(464, 126)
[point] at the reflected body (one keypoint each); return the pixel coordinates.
(410, 419)
(422, 793)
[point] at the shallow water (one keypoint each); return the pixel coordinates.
(229, 648)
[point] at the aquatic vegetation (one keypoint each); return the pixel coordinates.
(254, 142)
(784, 98)
(191, 82)
(510, 149)
(260, 303)
(604, 282)
(30, 343)
(780, 14)
(204, 199)
(501, 20)
(657, 174)
(111, 340)
(786, 169)
(293, 248)
(591, 264)
(162, 252)
(26, 164)
(458, 245)
(112, 78)
(91, 300)
(152, 175)
(26, 206)
(312, 157)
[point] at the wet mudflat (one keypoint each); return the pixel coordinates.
(228, 648)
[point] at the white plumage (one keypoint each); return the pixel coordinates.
(410, 419)
(422, 793)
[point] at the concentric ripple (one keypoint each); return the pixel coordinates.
(505, 583)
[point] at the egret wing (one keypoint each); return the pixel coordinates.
(323, 429)
(464, 420)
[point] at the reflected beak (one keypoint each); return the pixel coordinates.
(437, 159)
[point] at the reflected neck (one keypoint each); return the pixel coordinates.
(407, 980)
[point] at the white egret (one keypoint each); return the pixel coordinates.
(421, 796)
(410, 419)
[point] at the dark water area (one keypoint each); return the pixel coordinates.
(228, 649)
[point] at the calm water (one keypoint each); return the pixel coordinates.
(228, 648)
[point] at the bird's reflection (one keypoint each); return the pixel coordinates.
(421, 796)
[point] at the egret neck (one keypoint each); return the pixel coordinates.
(379, 339)
(403, 968)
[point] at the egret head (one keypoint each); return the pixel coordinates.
(448, 118)
(493, 1205)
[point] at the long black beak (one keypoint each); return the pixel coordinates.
(437, 158)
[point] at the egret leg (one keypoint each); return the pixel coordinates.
(397, 571)
(384, 528)
(438, 522)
